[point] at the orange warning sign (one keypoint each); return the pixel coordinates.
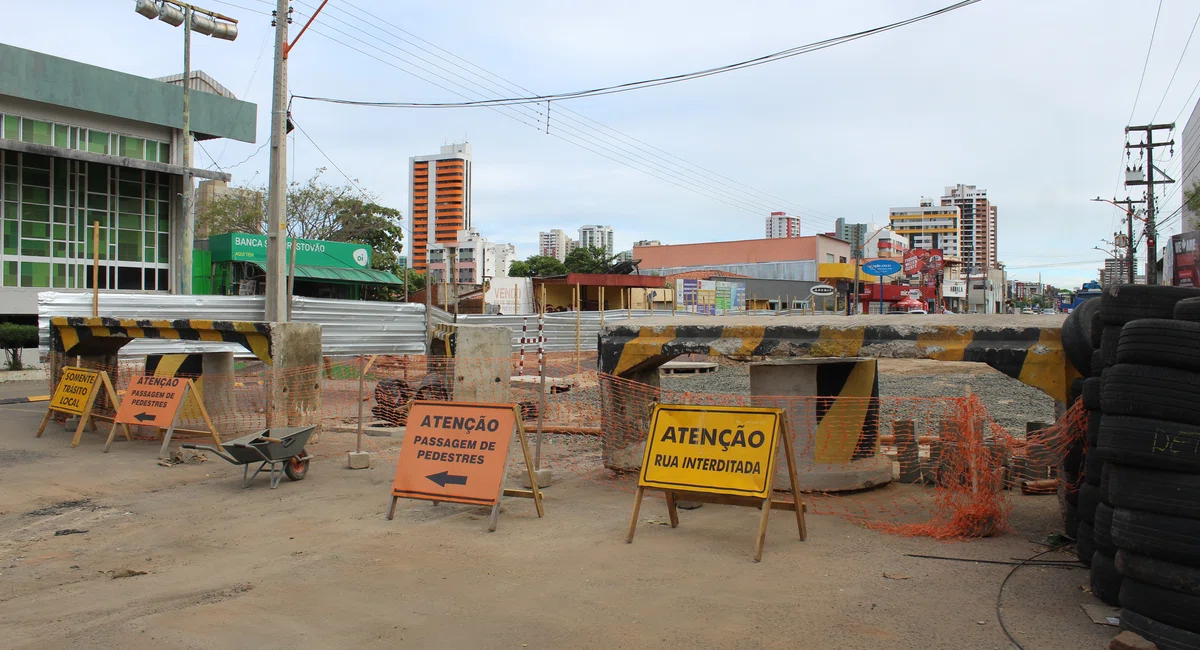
(454, 452)
(152, 401)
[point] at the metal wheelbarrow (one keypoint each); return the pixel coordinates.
(279, 450)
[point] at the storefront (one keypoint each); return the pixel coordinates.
(323, 269)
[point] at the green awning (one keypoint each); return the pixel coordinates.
(335, 274)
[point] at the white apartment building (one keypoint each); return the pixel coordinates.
(780, 225)
(555, 244)
(647, 242)
(597, 237)
(928, 226)
(475, 258)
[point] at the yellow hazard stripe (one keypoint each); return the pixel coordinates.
(835, 342)
(648, 343)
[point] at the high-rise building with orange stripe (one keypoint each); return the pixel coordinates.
(439, 201)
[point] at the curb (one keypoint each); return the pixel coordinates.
(24, 400)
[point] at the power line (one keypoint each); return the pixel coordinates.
(1145, 63)
(1177, 64)
(632, 160)
(660, 81)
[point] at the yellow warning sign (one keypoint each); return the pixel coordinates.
(722, 450)
(74, 391)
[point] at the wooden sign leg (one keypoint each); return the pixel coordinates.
(392, 510)
(494, 518)
(533, 484)
(766, 507)
(45, 421)
(162, 452)
(196, 398)
(672, 511)
(791, 465)
(637, 507)
(112, 433)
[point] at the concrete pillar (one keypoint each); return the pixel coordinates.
(218, 377)
(294, 396)
(625, 418)
(836, 440)
(482, 366)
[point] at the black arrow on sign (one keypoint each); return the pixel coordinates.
(142, 417)
(444, 478)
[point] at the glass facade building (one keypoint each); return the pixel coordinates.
(49, 205)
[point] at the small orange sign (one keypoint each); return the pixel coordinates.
(454, 452)
(152, 401)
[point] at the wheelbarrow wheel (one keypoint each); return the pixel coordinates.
(296, 468)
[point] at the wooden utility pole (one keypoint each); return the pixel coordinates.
(1151, 233)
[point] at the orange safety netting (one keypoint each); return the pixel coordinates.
(956, 468)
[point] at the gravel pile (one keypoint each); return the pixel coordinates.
(1009, 402)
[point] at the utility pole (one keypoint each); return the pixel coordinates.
(277, 298)
(1151, 233)
(1129, 246)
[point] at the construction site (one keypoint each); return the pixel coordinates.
(935, 468)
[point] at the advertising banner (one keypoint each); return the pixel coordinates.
(1185, 267)
(923, 260)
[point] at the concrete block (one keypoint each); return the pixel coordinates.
(295, 382)
(481, 365)
(545, 478)
(359, 459)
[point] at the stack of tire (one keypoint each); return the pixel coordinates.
(1077, 343)
(1141, 516)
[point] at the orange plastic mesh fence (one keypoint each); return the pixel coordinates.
(956, 466)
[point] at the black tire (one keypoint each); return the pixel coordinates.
(1106, 482)
(1150, 392)
(1093, 470)
(1157, 342)
(1070, 517)
(1089, 321)
(1109, 340)
(1187, 309)
(1083, 543)
(1106, 581)
(297, 469)
(1171, 607)
(1174, 539)
(1068, 488)
(1163, 636)
(1153, 444)
(1077, 342)
(1072, 462)
(1076, 390)
(1093, 430)
(1102, 530)
(1089, 498)
(1091, 393)
(1176, 577)
(1099, 363)
(1168, 493)
(1128, 302)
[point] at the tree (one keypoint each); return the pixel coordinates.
(589, 259)
(13, 338)
(1191, 198)
(539, 265)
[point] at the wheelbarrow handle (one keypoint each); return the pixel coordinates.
(224, 456)
(275, 440)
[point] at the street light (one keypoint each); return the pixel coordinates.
(208, 23)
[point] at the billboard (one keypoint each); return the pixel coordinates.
(1185, 266)
(923, 260)
(709, 296)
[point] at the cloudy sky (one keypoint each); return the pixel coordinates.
(1025, 98)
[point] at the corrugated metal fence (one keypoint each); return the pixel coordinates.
(347, 327)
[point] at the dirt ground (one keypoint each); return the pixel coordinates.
(315, 564)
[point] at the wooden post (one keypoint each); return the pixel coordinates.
(637, 507)
(602, 307)
(95, 269)
(516, 299)
(578, 310)
(362, 373)
(629, 303)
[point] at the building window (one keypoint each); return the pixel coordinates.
(829, 257)
(49, 206)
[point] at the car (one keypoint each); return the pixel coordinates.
(1027, 310)
(917, 311)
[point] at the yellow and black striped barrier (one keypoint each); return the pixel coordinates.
(1033, 355)
(99, 336)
